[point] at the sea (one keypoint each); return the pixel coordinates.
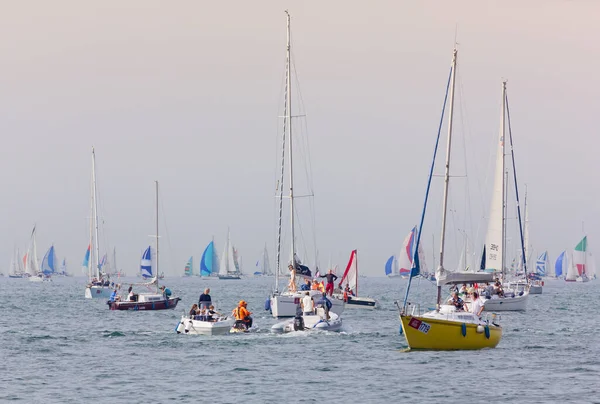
(58, 347)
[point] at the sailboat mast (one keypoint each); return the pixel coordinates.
(157, 273)
(503, 135)
(356, 258)
(95, 216)
(447, 174)
(289, 119)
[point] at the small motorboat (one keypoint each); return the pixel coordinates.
(219, 326)
(145, 301)
(310, 322)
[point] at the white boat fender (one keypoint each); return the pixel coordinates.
(480, 329)
(180, 327)
(188, 326)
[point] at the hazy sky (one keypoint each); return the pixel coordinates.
(189, 93)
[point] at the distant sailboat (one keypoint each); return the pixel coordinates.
(583, 267)
(262, 265)
(209, 263)
(31, 262)
(189, 267)
(229, 268)
(559, 266)
(405, 259)
(49, 262)
(350, 279)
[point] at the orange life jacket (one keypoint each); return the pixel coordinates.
(240, 313)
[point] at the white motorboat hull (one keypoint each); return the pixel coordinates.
(517, 303)
(312, 322)
(94, 292)
(198, 327)
(285, 305)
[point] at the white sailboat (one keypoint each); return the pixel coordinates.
(32, 266)
(284, 304)
(583, 267)
(263, 266)
(229, 269)
(496, 235)
(98, 284)
(350, 280)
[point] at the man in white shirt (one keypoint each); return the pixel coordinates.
(476, 304)
(307, 304)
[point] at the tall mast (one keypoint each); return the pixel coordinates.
(447, 174)
(157, 273)
(503, 135)
(289, 119)
(95, 216)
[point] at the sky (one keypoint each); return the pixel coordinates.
(189, 93)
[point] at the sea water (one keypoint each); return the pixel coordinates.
(58, 347)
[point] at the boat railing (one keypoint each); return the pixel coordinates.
(413, 308)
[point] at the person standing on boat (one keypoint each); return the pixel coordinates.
(456, 301)
(307, 304)
(330, 281)
(292, 284)
(476, 305)
(205, 301)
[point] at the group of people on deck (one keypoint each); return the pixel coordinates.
(476, 304)
(205, 311)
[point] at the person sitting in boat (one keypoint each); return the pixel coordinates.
(463, 290)
(132, 297)
(211, 312)
(306, 285)
(456, 302)
(307, 304)
(205, 300)
(325, 303)
(193, 310)
(476, 304)
(242, 315)
(315, 285)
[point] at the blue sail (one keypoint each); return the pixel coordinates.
(146, 264)
(540, 265)
(206, 263)
(388, 265)
(559, 264)
(49, 262)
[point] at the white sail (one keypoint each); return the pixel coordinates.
(34, 261)
(224, 264)
(494, 243)
(266, 267)
(233, 265)
(591, 266)
(571, 269)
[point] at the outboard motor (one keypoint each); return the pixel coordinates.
(188, 326)
(298, 323)
(180, 327)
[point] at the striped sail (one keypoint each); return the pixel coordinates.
(541, 264)
(146, 263)
(351, 273)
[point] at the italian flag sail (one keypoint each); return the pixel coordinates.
(580, 257)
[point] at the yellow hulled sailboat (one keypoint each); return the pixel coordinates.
(446, 328)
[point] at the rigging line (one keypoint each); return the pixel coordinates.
(467, 219)
(512, 152)
(280, 185)
(276, 166)
(437, 142)
(305, 148)
(161, 206)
